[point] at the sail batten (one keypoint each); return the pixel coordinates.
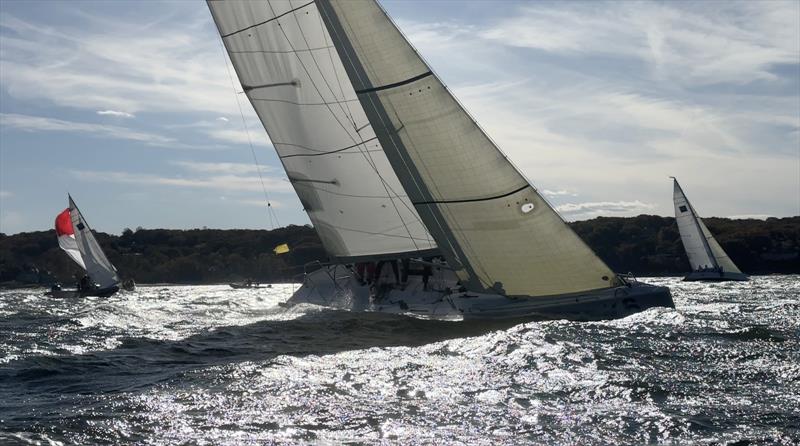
(309, 108)
(495, 230)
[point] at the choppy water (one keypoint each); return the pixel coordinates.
(211, 365)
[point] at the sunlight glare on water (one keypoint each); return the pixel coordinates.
(208, 364)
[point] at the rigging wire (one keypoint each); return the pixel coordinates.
(273, 217)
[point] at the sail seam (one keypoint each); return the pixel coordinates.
(305, 103)
(268, 20)
(300, 50)
(332, 151)
(377, 197)
(395, 84)
(247, 88)
(304, 180)
(471, 200)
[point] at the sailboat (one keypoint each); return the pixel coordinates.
(708, 260)
(75, 238)
(419, 211)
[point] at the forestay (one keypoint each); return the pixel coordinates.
(101, 271)
(701, 247)
(491, 224)
(293, 77)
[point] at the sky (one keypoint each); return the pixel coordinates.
(129, 107)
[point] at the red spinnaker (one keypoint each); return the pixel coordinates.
(64, 224)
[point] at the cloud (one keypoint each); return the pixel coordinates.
(118, 114)
(41, 124)
(260, 202)
(215, 182)
(703, 43)
(256, 136)
(750, 216)
(6, 194)
(599, 98)
(224, 168)
(104, 63)
(557, 193)
(29, 123)
(573, 211)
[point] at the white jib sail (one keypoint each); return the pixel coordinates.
(701, 247)
(293, 77)
(492, 225)
(99, 268)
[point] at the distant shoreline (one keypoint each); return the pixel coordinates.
(645, 246)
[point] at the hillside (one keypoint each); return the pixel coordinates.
(643, 245)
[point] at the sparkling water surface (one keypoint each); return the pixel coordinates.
(213, 365)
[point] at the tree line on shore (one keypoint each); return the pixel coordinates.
(643, 245)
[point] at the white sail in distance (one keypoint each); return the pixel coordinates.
(97, 265)
(493, 227)
(290, 71)
(701, 247)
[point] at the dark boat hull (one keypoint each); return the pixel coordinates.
(69, 294)
(714, 276)
(238, 286)
(335, 286)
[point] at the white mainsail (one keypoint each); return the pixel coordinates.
(490, 223)
(293, 76)
(701, 247)
(95, 262)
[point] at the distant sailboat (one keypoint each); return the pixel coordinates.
(707, 258)
(417, 208)
(76, 239)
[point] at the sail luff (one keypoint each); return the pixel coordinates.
(499, 234)
(293, 78)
